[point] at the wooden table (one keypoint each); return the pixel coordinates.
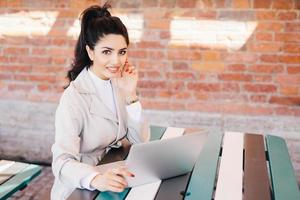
(15, 176)
(232, 166)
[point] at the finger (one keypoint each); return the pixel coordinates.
(124, 172)
(118, 178)
(115, 183)
(115, 189)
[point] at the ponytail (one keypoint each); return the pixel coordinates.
(96, 22)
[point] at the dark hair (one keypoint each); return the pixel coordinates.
(96, 22)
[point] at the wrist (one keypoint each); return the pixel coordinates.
(132, 98)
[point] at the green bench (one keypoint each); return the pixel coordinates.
(230, 166)
(15, 176)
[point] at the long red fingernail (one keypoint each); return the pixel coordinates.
(132, 175)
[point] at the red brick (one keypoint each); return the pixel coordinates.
(158, 24)
(265, 15)
(236, 67)
(237, 14)
(182, 95)
(208, 66)
(265, 88)
(230, 87)
(16, 51)
(5, 76)
(22, 87)
(284, 110)
(287, 37)
(42, 78)
(282, 4)
(262, 78)
(206, 14)
(177, 106)
(287, 15)
(150, 3)
(152, 74)
(291, 47)
(59, 60)
(240, 57)
(288, 79)
(260, 98)
(3, 59)
(211, 56)
(167, 3)
(265, 68)
(209, 87)
(34, 60)
(180, 65)
(175, 86)
(21, 77)
(137, 53)
(292, 101)
(293, 69)
(289, 90)
(38, 51)
(181, 75)
(292, 27)
(149, 44)
(220, 4)
(186, 3)
(270, 26)
(269, 58)
(158, 104)
(264, 47)
(235, 77)
(262, 4)
(165, 35)
(180, 54)
(241, 4)
(205, 4)
(152, 84)
(263, 36)
(292, 59)
(156, 54)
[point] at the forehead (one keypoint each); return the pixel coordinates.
(113, 41)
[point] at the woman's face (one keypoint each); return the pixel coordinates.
(109, 56)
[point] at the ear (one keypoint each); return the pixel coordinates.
(90, 52)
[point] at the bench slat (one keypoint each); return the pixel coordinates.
(9, 169)
(202, 182)
(256, 178)
(282, 173)
(19, 181)
(229, 185)
(156, 133)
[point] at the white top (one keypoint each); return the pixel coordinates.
(105, 92)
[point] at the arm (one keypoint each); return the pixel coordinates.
(66, 149)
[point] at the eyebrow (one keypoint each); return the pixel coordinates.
(113, 49)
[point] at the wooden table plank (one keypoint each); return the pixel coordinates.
(256, 178)
(282, 173)
(202, 182)
(173, 188)
(230, 179)
(19, 181)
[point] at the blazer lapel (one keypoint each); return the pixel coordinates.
(84, 85)
(121, 110)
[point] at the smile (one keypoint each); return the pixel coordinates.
(113, 69)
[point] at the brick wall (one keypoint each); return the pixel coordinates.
(219, 64)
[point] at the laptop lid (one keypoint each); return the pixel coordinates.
(162, 159)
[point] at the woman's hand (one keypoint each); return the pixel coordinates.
(128, 81)
(112, 180)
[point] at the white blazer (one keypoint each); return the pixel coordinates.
(84, 130)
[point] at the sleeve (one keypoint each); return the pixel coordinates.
(66, 165)
(138, 129)
(86, 181)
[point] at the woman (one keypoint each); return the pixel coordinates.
(97, 109)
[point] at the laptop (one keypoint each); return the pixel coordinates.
(161, 159)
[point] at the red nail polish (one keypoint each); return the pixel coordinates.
(132, 175)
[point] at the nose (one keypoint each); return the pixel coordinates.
(115, 60)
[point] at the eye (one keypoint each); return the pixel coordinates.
(122, 52)
(106, 52)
